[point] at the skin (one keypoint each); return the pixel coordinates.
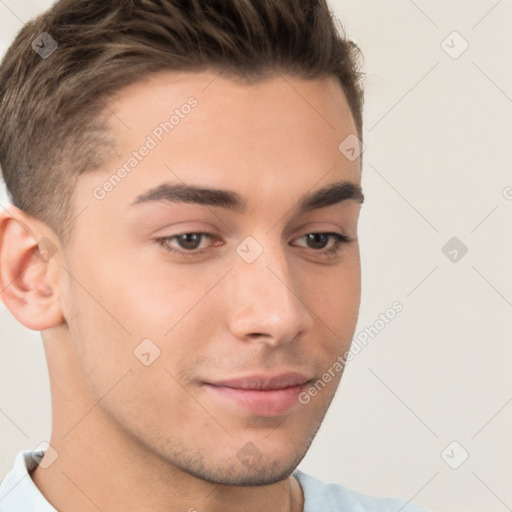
(139, 438)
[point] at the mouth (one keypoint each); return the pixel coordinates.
(261, 395)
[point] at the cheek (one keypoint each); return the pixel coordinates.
(336, 307)
(98, 334)
(135, 299)
(334, 295)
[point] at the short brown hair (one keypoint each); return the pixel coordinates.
(53, 109)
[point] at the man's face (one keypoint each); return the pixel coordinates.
(256, 296)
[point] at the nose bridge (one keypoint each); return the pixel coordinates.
(265, 299)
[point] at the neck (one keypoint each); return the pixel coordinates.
(100, 467)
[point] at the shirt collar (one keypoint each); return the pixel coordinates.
(18, 492)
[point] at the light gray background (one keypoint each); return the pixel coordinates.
(436, 165)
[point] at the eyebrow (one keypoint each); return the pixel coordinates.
(175, 193)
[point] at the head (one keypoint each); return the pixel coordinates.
(183, 216)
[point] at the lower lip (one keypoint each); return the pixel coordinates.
(262, 402)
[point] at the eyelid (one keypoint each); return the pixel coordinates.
(339, 240)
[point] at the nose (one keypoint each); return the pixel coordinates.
(269, 302)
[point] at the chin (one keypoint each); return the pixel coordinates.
(249, 476)
(247, 466)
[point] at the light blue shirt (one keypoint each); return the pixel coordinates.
(18, 493)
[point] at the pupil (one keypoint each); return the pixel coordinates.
(315, 236)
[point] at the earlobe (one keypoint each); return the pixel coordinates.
(28, 270)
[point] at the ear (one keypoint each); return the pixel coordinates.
(29, 269)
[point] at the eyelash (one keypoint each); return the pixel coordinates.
(339, 241)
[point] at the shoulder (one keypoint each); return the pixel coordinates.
(321, 497)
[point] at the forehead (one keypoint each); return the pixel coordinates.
(228, 106)
(275, 136)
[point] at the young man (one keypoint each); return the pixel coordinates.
(185, 179)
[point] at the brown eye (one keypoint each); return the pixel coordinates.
(317, 240)
(189, 241)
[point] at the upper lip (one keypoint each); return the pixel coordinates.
(265, 382)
